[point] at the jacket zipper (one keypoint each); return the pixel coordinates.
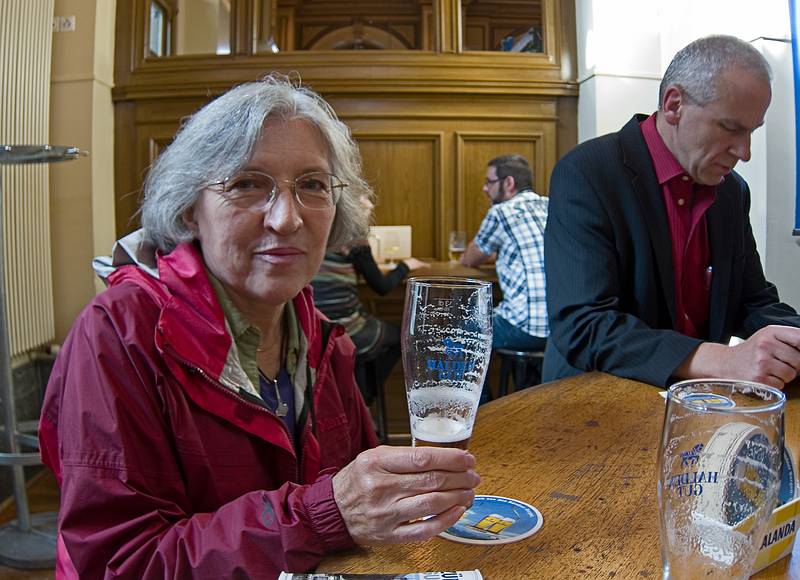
(220, 387)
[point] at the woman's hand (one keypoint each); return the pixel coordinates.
(383, 493)
(414, 264)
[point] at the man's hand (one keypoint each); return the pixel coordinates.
(384, 491)
(770, 356)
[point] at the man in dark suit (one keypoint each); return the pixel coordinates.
(650, 260)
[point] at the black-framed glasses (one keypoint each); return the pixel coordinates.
(488, 181)
(255, 190)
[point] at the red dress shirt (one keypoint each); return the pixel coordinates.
(686, 203)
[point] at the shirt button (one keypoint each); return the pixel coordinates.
(684, 178)
(681, 201)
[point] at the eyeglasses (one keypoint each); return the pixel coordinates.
(254, 190)
(491, 181)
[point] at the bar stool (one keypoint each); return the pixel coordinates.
(524, 365)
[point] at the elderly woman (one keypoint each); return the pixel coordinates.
(202, 418)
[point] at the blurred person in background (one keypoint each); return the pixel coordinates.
(336, 295)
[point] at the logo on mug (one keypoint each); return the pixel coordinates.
(454, 365)
(691, 482)
(689, 458)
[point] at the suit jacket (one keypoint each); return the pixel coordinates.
(608, 261)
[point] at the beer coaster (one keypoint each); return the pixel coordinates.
(495, 520)
(735, 464)
(788, 478)
(712, 401)
(708, 400)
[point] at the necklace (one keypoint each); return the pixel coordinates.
(281, 408)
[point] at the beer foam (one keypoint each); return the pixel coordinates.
(440, 429)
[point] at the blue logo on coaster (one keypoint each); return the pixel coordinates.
(712, 400)
(495, 520)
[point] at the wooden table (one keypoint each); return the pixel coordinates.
(583, 451)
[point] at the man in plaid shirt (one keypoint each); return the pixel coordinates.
(513, 229)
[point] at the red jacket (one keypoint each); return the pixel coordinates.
(166, 472)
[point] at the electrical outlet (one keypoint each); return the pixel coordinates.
(64, 24)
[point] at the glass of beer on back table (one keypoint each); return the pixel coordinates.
(446, 343)
(457, 245)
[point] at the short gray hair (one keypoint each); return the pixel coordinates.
(696, 67)
(220, 139)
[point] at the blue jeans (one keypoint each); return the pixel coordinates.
(506, 335)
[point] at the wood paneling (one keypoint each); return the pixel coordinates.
(403, 167)
(427, 121)
(471, 131)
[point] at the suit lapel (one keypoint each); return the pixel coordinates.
(718, 219)
(651, 201)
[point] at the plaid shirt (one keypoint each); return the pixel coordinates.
(514, 229)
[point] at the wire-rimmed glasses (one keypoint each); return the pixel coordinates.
(254, 190)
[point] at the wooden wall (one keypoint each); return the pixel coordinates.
(426, 158)
(426, 121)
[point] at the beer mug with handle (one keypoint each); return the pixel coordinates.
(719, 475)
(446, 344)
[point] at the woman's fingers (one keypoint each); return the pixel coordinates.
(431, 504)
(420, 530)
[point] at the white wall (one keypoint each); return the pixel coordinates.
(624, 46)
(771, 176)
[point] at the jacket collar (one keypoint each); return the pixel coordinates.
(194, 336)
(192, 320)
(648, 192)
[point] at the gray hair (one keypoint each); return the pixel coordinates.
(696, 67)
(220, 139)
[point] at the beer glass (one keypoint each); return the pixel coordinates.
(719, 475)
(446, 344)
(457, 245)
